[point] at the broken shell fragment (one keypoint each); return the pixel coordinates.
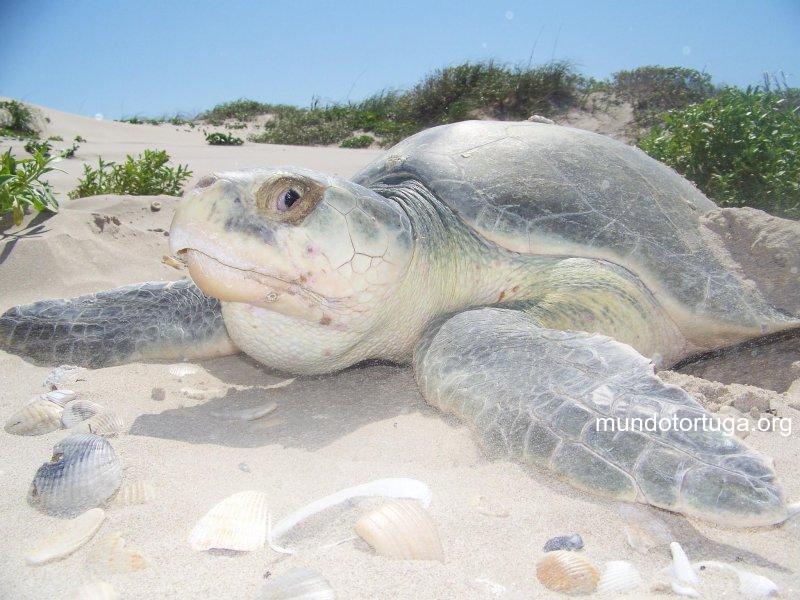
(69, 537)
(95, 590)
(134, 492)
(238, 522)
(35, 418)
(60, 397)
(77, 411)
(83, 473)
(298, 584)
(564, 542)
(182, 370)
(568, 572)
(65, 374)
(401, 529)
(113, 554)
(619, 576)
(105, 424)
(246, 414)
(751, 585)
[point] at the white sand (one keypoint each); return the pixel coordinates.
(327, 433)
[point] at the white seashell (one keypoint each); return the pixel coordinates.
(643, 530)
(113, 554)
(401, 529)
(491, 508)
(182, 370)
(134, 492)
(105, 424)
(60, 397)
(239, 522)
(298, 584)
(76, 411)
(35, 418)
(246, 414)
(280, 384)
(69, 537)
(64, 375)
(681, 568)
(95, 590)
(619, 576)
(83, 473)
(751, 585)
(397, 487)
(568, 572)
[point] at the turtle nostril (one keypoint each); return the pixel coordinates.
(205, 181)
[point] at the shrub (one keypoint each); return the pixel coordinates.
(241, 110)
(21, 185)
(359, 141)
(148, 174)
(223, 139)
(20, 121)
(34, 147)
(69, 152)
(55, 138)
(80, 139)
(306, 126)
(742, 148)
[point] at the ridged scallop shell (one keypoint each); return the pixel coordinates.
(113, 554)
(77, 411)
(239, 522)
(619, 576)
(94, 590)
(35, 418)
(182, 370)
(298, 584)
(401, 529)
(83, 473)
(567, 572)
(69, 536)
(105, 424)
(134, 492)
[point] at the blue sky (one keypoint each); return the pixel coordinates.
(151, 58)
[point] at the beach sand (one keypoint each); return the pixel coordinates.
(327, 433)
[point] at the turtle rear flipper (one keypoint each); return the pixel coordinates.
(592, 410)
(136, 322)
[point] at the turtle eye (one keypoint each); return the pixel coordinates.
(286, 198)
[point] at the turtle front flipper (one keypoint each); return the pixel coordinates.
(152, 321)
(591, 410)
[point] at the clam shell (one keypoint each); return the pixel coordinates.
(134, 492)
(35, 418)
(239, 522)
(105, 424)
(60, 397)
(77, 411)
(619, 576)
(83, 473)
(564, 542)
(113, 554)
(568, 572)
(95, 590)
(401, 529)
(298, 584)
(69, 536)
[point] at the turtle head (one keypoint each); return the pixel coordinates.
(294, 247)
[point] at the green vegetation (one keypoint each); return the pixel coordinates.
(241, 110)
(359, 141)
(19, 120)
(148, 174)
(21, 185)
(55, 138)
(35, 147)
(80, 139)
(69, 152)
(741, 147)
(223, 139)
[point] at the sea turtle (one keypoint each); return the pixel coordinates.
(531, 273)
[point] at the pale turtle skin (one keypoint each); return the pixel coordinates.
(532, 275)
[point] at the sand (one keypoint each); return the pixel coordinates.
(327, 433)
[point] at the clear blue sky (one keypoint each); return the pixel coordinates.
(150, 58)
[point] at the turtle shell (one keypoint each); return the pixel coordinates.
(550, 190)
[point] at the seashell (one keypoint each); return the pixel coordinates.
(134, 492)
(171, 261)
(239, 522)
(564, 542)
(182, 370)
(65, 374)
(112, 554)
(246, 414)
(488, 507)
(568, 572)
(76, 411)
(35, 418)
(105, 424)
(69, 537)
(619, 576)
(280, 384)
(751, 585)
(60, 397)
(95, 590)
(681, 568)
(298, 584)
(83, 473)
(643, 530)
(401, 529)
